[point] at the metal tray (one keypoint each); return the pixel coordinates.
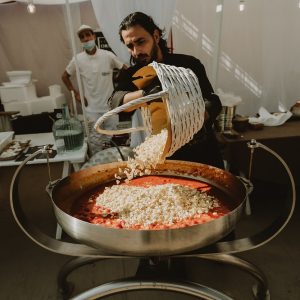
(13, 150)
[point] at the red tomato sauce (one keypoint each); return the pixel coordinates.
(87, 210)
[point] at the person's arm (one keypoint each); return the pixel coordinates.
(129, 91)
(68, 83)
(213, 104)
(125, 90)
(119, 98)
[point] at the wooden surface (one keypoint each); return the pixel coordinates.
(289, 129)
(284, 140)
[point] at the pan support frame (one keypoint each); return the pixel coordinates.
(156, 281)
(220, 252)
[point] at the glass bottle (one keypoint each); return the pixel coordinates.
(68, 132)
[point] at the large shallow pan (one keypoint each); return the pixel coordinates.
(105, 242)
(147, 242)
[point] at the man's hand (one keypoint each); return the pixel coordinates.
(206, 115)
(77, 97)
(143, 77)
(152, 90)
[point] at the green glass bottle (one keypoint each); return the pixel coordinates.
(68, 132)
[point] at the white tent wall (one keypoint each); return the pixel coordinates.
(39, 42)
(280, 56)
(258, 55)
(193, 30)
(240, 70)
(111, 13)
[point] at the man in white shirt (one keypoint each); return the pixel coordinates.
(96, 72)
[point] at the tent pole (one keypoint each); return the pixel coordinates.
(71, 31)
(217, 43)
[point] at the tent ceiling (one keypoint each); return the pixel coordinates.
(52, 2)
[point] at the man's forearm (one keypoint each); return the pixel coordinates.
(66, 80)
(132, 96)
(119, 98)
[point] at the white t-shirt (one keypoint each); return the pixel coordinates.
(96, 73)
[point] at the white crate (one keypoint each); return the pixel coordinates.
(5, 139)
(19, 93)
(23, 77)
(23, 107)
(47, 103)
(37, 105)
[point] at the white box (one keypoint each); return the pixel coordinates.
(23, 77)
(23, 107)
(55, 90)
(37, 105)
(47, 103)
(5, 139)
(16, 92)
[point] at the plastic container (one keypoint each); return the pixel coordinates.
(5, 138)
(68, 132)
(18, 93)
(23, 107)
(54, 90)
(47, 103)
(20, 77)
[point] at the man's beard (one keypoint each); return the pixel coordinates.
(145, 59)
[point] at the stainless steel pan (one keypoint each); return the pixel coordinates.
(97, 241)
(146, 242)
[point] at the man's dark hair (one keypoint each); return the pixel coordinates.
(145, 21)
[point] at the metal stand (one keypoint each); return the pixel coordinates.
(260, 290)
(187, 288)
(65, 287)
(220, 252)
(159, 277)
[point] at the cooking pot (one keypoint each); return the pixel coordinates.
(98, 241)
(66, 192)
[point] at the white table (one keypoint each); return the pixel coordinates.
(73, 158)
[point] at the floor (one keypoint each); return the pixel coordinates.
(28, 271)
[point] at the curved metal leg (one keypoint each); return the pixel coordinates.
(121, 286)
(65, 288)
(260, 290)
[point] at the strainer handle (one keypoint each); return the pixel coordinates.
(136, 102)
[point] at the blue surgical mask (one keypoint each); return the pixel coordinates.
(89, 45)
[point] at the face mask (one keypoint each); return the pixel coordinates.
(89, 45)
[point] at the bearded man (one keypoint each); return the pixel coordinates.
(144, 40)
